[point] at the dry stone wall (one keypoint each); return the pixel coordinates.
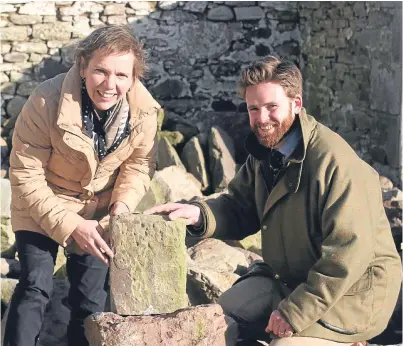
(349, 52)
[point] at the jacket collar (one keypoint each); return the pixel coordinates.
(69, 113)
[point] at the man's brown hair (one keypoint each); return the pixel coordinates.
(272, 69)
(112, 39)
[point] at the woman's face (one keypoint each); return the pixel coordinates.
(108, 78)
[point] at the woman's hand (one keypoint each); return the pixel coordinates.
(191, 213)
(87, 237)
(118, 208)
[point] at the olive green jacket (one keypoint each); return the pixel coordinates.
(325, 234)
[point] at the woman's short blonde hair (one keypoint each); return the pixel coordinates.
(272, 69)
(112, 39)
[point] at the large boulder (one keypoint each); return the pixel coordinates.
(222, 158)
(167, 155)
(149, 262)
(193, 159)
(201, 325)
(8, 248)
(172, 184)
(213, 268)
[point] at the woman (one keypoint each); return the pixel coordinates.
(84, 149)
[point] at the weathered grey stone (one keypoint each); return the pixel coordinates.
(81, 28)
(220, 13)
(26, 89)
(15, 57)
(195, 6)
(3, 78)
(10, 267)
(149, 261)
(8, 248)
(54, 31)
(7, 8)
(193, 159)
(167, 5)
(14, 107)
(19, 19)
(14, 33)
(5, 188)
(173, 137)
(7, 289)
(8, 88)
(49, 19)
(178, 16)
(222, 158)
(5, 48)
(181, 185)
(114, 9)
(201, 325)
(46, 8)
(171, 88)
(167, 155)
(240, 3)
(30, 47)
(141, 5)
(117, 20)
(81, 7)
(248, 13)
(386, 183)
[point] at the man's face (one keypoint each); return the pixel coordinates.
(271, 112)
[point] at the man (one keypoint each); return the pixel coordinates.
(331, 273)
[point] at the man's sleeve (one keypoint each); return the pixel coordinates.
(232, 215)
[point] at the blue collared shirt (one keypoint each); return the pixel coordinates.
(288, 144)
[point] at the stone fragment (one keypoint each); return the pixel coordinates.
(5, 188)
(114, 9)
(53, 31)
(14, 33)
(141, 5)
(3, 78)
(8, 248)
(15, 57)
(248, 13)
(149, 261)
(7, 8)
(220, 13)
(13, 110)
(7, 289)
(19, 77)
(30, 47)
(81, 7)
(167, 155)
(193, 159)
(167, 5)
(222, 158)
(201, 325)
(10, 267)
(195, 6)
(386, 183)
(117, 20)
(8, 88)
(173, 137)
(19, 19)
(26, 89)
(42, 8)
(5, 48)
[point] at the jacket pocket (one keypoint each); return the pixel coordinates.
(352, 314)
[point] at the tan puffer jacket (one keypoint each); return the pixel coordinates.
(56, 178)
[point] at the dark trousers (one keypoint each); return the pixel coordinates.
(250, 303)
(37, 254)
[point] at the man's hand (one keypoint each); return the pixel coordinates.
(118, 208)
(88, 239)
(279, 326)
(189, 212)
